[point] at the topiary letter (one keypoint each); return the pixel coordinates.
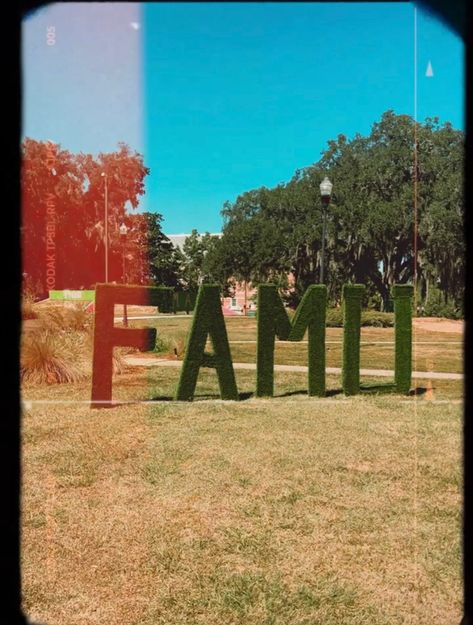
(352, 294)
(107, 336)
(208, 320)
(273, 320)
(402, 295)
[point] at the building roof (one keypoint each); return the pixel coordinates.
(178, 239)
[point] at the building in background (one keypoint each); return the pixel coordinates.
(242, 300)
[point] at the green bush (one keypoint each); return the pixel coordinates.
(373, 318)
(334, 318)
(377, 319)
(163, 344)
(184, 301)
(310, 315)
(164, 298)
(105, 340)
(440, 309)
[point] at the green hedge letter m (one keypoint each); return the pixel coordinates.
(273, 321)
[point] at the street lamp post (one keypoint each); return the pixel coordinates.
(104, 176)
(123, 233)
(325, 193)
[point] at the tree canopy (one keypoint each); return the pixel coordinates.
(378, 186)
(63, 220)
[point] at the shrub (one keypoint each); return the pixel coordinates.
(77, 317)
(74, 318)
(53, 320)
(60, 350)
(184, 301)
(377, 319)
(440, 309)
(27, 306)
(373, 318)
(334, 318)
(163, 344)
(271, 321)
(49, 358)
(118, 364)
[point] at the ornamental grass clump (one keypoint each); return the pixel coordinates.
(74, 318)
(171, 346)
(60, 350)
(77, 318)
(49, 358)
(27, 306)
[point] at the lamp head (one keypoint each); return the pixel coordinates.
(326, 187)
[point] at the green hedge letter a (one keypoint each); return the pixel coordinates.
(273, 321)
(208, 320)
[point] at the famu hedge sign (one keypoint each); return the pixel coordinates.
(272, 322)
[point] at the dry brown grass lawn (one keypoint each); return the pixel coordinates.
(290, 511)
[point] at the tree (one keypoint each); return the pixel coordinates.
(194, 267)
(63, 206)
(370, 235)
(152, 259)
(51, 185)
(441, 228)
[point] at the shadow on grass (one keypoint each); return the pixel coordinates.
(377, 388)
(205, 396)
(420, 390)
(365, 389)
(389, 387)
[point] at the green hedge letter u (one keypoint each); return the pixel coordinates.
(273, 321)
(208, 320)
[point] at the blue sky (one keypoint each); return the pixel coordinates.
(223, 98)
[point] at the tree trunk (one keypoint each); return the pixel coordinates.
(382, 288)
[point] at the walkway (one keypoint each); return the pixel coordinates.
(141, 361)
